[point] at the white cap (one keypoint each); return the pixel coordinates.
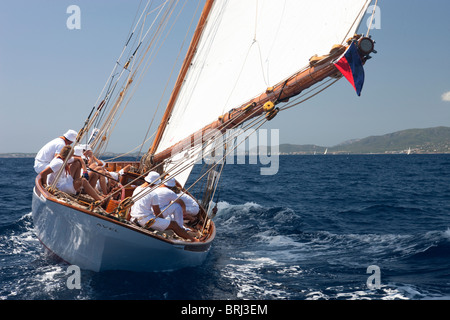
(85, 146)
(170, 182)
(78, 151)
(71, 135)
(153, 178)
(114, 175)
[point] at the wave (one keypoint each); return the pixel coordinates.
(436, 246)
(27, 271)
(275, 250)
(251, 213)
(18, 240)
(262, 252)
(385, 208)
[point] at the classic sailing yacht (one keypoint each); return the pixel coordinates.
(247, 61)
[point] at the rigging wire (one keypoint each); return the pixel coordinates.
(142, 74)
(101, 107)
(142, 193)
(361, 13)
(189, 164)
(371, 18)
(107, 124)
(123, 51)
(290, 104)
(147, 65)
(171, 73)
(129, 36)
(130, 151)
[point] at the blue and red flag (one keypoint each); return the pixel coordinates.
(351, 67)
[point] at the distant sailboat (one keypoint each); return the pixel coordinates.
(326, 151)
(246, 60)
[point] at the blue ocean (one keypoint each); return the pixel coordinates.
(325, 227)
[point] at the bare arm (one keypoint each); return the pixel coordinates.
(182, 204)
(44, 175)
(156, 210)
(83, 165)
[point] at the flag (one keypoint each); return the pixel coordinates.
(351, 67)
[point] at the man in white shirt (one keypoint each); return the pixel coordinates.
(169, 203)
(70, 180)
(142, 208)
(191, 206)
(51, 149)
(151, 208)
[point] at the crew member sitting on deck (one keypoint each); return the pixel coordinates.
(51, 149)
(192, 207)
(93, 169)
(70, 180)
(92, 177)
(152, 210)
(109, 182)
(112, 184)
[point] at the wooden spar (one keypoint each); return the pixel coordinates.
(184, 68)
(282, 91)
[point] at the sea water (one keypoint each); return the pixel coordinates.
(324, 227)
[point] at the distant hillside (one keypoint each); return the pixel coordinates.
(17, 155)
(430, 140)
(306, 148)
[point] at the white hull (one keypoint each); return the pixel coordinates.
(95, 242)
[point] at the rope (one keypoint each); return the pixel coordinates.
(184, 166)
(254, 123)
(146, 191)
(107, 124)
(204, 174)
(156, 38)
(361, 13)
(113, 85)
(145, 70)
(171, 72)
(288, 106)
(130, 151)
(371, 18)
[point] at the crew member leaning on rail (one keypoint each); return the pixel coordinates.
(70, 180)
(46, 154)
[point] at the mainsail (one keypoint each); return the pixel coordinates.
(246, 47)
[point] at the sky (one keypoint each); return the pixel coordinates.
(51, 76)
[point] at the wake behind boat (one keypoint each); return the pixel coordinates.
(242, 68)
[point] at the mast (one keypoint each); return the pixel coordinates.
(187, 61)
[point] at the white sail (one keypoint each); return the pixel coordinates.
(250, 45)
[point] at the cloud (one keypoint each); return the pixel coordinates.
(446, 96)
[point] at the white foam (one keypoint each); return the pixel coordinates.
(225, 204)
(244, 272)
(446, 233)
(276, 240)
(386, 292)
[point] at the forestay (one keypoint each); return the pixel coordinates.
(247, 46)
